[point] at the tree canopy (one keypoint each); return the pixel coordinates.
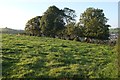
(94, 23)
(52, 21)
(32, 26)
(69, 15)
(55, 21)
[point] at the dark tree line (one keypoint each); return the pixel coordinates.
(61, 23)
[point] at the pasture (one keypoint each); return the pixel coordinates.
(43, 57)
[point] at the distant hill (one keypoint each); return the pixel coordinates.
(10, 31)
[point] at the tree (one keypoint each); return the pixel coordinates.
(69, 15)
(70, 28)
(32, 26)
(94, 23)
(52, 21)
(73, 30)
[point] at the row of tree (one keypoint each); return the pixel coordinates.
(61, 23)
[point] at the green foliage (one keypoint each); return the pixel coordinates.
(70, 29)
(32, 26)
(52, 21)
(94, 22)
(69, 15)
(42, 57)
(114, 30)
(73, 30)
(55, 22)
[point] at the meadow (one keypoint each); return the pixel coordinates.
(43, 57)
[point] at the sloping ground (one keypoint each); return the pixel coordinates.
(42, 57)
(10, 31)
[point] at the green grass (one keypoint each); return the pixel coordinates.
(35, 57)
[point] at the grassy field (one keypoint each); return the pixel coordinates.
(39, 57)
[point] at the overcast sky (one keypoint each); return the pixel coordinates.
(15, 13)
